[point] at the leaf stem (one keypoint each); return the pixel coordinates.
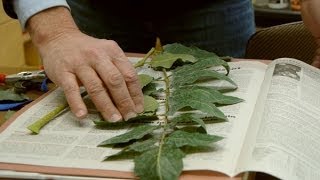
(167, 91)
(163, 136)
(143, 60)
(159, 153)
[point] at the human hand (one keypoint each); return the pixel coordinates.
(316, 59)
(311, 18)
(73, 58)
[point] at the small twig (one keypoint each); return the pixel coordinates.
(143, 60)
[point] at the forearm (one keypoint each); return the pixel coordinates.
(50, 24)
(311, 16)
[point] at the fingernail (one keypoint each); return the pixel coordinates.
(139, 108)
(115, 118)
(81, 114)
(130, 115)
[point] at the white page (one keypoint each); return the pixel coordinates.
(284, 142)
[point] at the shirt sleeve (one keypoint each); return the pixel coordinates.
(27, 8)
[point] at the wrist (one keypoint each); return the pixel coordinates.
(50, 24)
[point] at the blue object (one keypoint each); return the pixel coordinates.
(12, 105)
(44, 86)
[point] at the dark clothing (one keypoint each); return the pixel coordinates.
(221, 26)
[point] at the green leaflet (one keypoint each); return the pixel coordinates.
(166, 59)
(182, 138)
(150, 104)
(133, 150)
(149, 89)
(136, 133)
(123, 154)
(10, 95)
(144, 79)
(142, 146)
(164, 163)
(204, 94)
(204, 106)
(200, 98)
(189, 77)
(187, 118)
(141, 118)
(201, 55)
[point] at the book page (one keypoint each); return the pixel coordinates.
(64, 143)
(248, 75)
(285, 142)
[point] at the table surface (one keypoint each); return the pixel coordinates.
(189, 175)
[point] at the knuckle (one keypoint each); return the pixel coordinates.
(70, 89)
(125, 103)
(98, 64)
(91, 52)
(95, 88)
(137, 95)
(131, 77)
(116, 79)
(104, 107)
(112, 44)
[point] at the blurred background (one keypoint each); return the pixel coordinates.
(17, 52)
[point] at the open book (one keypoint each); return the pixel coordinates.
(276, 130)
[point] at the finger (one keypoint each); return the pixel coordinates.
(132, 82)
(130, 76)
(72, 92)
(117, 88)
(98, 93)
(316, 62)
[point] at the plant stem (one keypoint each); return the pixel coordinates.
(160, 151)
(40, 123)
(167, 91)
(36, 126)
(143, 60)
